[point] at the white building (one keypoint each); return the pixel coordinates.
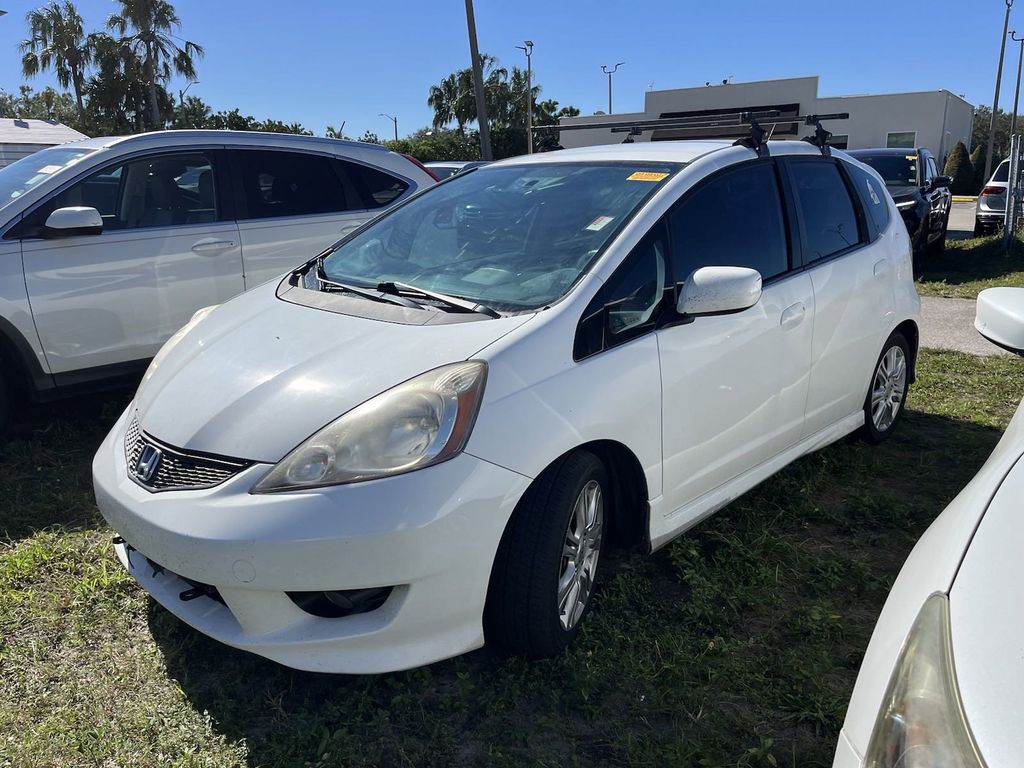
(19, 138)
(935, 120)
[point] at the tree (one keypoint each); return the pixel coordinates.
(152, 24)
(959, 168)
(193, 112)
(978, 163)
(371, 138)
(47, 104)
(117, 94)
(57, 41)
(979, 133)
(336, 133)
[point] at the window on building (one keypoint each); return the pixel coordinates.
(901, 139)
(839, 140)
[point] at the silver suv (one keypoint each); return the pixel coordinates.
(990, 210)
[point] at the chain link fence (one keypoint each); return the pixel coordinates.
(1015, 191)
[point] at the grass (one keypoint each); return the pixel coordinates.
(736, 645)
(969, 266)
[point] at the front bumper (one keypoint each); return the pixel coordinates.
(430, 534)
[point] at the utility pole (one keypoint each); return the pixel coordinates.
(392, 119)
(610, 72)
(527, 48)
(995, 99)
(1016, 94)
(478, 86)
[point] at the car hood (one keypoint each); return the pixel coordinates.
(988, 625)
(904, 192)
(259, 375)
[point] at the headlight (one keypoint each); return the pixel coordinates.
(905, 204)
(418, 423)
(921, 723)
(172, 342)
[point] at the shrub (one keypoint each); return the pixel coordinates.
(978, 162)
(960, 169)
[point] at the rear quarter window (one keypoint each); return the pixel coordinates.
(1002, 172)
(872, 197)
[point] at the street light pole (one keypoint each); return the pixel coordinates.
(1016, 94)
(610, 72)
(478, 86)
(392, 119)
(995, 99)
(527, 48)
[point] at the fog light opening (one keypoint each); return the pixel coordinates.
(341, 602)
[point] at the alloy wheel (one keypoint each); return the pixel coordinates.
(580, 553)
(888, 388)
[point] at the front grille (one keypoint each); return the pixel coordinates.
(175, 470)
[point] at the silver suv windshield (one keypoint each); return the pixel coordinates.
(511, 237)
(20, 176)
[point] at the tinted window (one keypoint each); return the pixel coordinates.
(379, 188)
(630, 301)
(157, 191)
(733, 220)
(826, 211)
(291, 184)
(872, 197)
(1002, 172)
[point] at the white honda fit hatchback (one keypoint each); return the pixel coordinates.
(427, 435)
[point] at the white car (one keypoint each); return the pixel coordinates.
(425, 437)
(942, 682)
(109, 245)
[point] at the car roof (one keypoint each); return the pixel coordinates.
(883, 151)
(188, 137)
(646, 151)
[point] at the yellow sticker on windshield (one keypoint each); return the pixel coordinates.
(646, 176)
(911, 157)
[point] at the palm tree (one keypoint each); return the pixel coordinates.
(152, 23)
(58, 42)
(442, 99)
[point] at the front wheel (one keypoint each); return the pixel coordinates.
(887, 394)
(546, 567)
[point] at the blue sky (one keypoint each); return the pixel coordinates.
(321, 62)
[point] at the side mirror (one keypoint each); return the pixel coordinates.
(75, 220)
(719, 290)
(941, 181)
(999, 317)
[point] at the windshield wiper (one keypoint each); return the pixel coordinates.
(366, 293)
(395, 288)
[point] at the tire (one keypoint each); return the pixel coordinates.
(5, 404)
(939, 246)
(887, 390)
(524, 612)
(979, 229)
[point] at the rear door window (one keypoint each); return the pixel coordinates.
(276, 184)
(827, 215)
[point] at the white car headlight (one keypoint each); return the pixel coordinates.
(921, 723)
(421, 422)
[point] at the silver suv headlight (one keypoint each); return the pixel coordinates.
(921, 723)
(421, 422)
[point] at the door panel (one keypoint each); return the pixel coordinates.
(165, 251)
(118, 296)
(735, 387)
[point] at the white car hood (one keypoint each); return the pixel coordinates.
(259, 375)
(987, 615)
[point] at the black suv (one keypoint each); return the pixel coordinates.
(921, 194)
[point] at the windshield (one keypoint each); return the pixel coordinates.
(514, 237)
(20, 176)
(895, 170)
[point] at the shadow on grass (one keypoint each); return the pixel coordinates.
(737, 644)
(967, 261)
(45, 463)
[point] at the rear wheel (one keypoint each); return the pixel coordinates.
(546, 567)
(887, 394)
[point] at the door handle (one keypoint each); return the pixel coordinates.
(211, 247)
(881, 268)
(793, 315)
